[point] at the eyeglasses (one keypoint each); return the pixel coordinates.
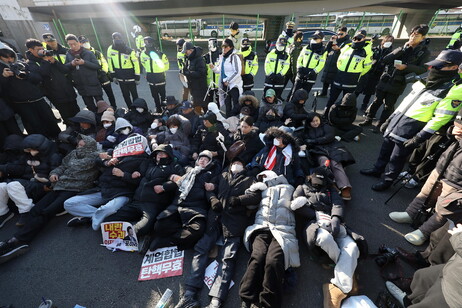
(357, 39)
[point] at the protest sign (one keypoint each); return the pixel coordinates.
(119, 235)
(161, 263)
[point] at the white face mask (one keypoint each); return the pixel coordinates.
(276, 142)
(86, 45)
(125, 131)
(154, 125)
(236, 168)
(280, 47)
(173, 130)
(33, 152)
(139, 109)
(107, 125)
(387, 44)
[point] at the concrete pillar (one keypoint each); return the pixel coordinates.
(409, 20)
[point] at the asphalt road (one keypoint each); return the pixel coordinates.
(70, 267)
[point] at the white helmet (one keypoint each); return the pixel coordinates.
(136, 29)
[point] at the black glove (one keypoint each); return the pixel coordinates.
(234, 202)
(169, 211)
(412, 143)
(299, 180)
(335, 224)
(383, 127)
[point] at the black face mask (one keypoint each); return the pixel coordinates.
(437, 76)
(290, 32)
(358, 45)
(342, 39)
(316, 46)
(245, 48)
(149, 45)
(270, 117)
(164, 161)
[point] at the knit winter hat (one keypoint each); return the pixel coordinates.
(108, 116)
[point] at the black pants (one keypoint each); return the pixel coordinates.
(393, 154)
(8, 127)
(262, 281)
(158, 93)
(38, 118)
(388, 100)
(325, 88)
(348, 132)
(90, 102)
(231, 100)
(213, 96)
(67, 109)
(110, 94)
(173, 231)
(301, 84)
(143, 214)
(334, 94)
(127, 88)
(50, 205)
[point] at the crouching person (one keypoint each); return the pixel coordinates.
(76, 173)
(272, 243)
(317, 199)
(120, 177)
(227, 219)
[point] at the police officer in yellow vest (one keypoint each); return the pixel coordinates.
(181, 59)
(355, 60)
(310, 62)
(289, 32)
(155, 64)
(431, 104)
(103, 73)
(277, 64)
(250, 64)
(212, 57)
(59, 51)
(139, 40)
(124, 67)
(456, 40)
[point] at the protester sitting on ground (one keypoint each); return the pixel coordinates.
(271, 101)
(83, 123)
(342, 115)
(448, 170)
(76, 174)
(268, 119)
(177, 139)
(280, 155)
(272, 242)
(12, 151)
(228, 219)
(26, 180)
(158, 125)
(116, 185)
(139, 115)
(187, 111)
(248, 135)
(172, 106)
(107, 128)
(319, 140)
(101, 107)
(122, 130)
(322, 208)
(154, 193)
(248, 99)
(183, 222)
(295, 109)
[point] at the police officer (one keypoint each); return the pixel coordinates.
(310, 62)
(355, 60)
(59, 51)
(456, 39)
(277, 64)
(181, 59)
(124, 67)
(288, 33)
(250, 64)
(139, 40)
(236, 35)
(103, 73)
(293, 50)
(411, 57)
(155, 64)
(430, 105)
(212, 57)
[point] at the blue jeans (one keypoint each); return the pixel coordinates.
(92, 205)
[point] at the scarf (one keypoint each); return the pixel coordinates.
(187, 181)
(226, 55)
(437, 77)
(78, 52)
(270, 161)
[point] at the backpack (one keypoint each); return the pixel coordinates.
(241, 58)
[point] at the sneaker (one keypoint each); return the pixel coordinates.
(188, 302)
(411, 184)
(416, 237)
(396, 292)
(400, 217)
(5, 218)
(346, 193)
(366, 122)
(64, 212)
(404, 175)
(338, 138)
(11, 250)
(79, 222)
(333, 296)
(22, 219)
(215, 303)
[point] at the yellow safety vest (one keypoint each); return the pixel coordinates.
(122, 61)
(153, 63)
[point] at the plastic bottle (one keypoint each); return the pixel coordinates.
(166, 299)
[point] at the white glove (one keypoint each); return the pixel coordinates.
(111, 138)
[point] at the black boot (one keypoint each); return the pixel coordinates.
(371, 172)
(382, 185)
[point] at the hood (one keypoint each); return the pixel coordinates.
(164, 148)
(90, 144)
(300, 94)
(349, 100)
(196, 53)
(37, 142)
(139, 103)
(274, 132)
(102, 106)
(249, 96)
(84, 116)
(5, 46)
(13, 143)
(207, 154)
(121, 123)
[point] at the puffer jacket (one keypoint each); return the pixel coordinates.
(206, 139)
(196, 73)
(330, 69)
(276, 216)
(78, 170)
(85, 77)
(141, 120)
(343, 114)
(296, 111)
(179, 141)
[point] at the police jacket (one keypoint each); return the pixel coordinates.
(352, 64)
(180, 58)
(212, 58)
(139, 42)
(393, 80)
(425, 110)
(250, 61)
(104, 71)
(59, 54)
(155, 64)
(85, 76)
(277, 64)
(330, 69)
(455, 38)
(310, 60)
(123, 63)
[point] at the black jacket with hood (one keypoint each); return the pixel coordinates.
(141, 120)
(196, 73)
(296, 111)
(343, 114)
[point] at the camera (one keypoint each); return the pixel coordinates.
(45, 53)
(19, 69)
(389, 255)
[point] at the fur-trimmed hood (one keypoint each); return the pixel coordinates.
(249, 97)
(287, 138)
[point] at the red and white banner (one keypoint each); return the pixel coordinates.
(162, 263)
(133, 145)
